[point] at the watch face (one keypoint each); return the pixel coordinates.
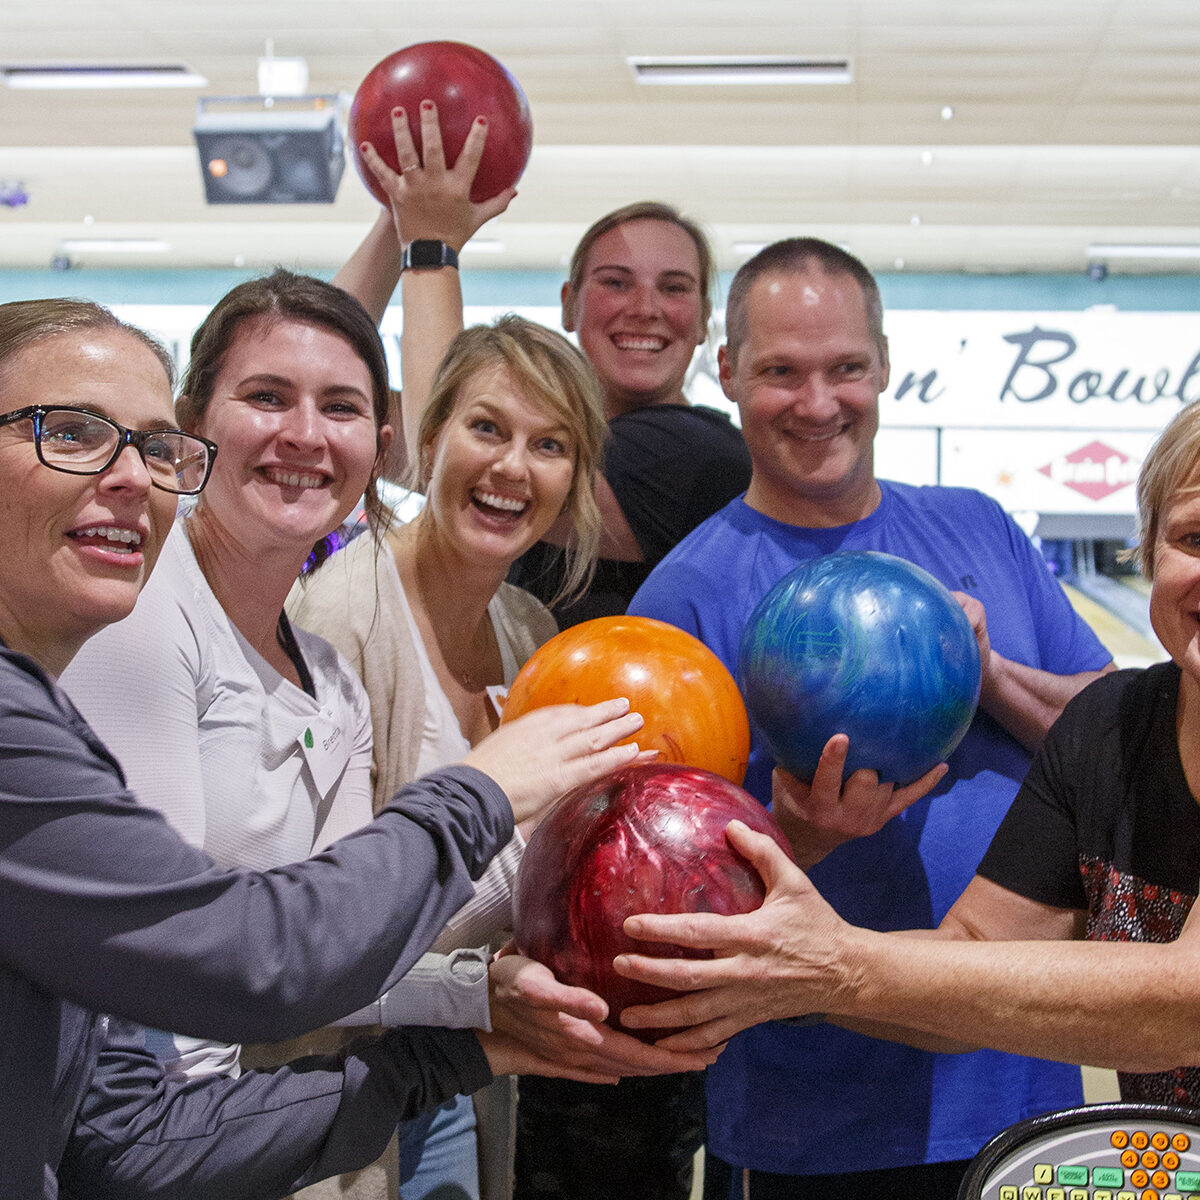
(427, 254)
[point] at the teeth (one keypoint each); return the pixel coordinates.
(503, 502)
(111, 533)
(295, 479)
(639, 343)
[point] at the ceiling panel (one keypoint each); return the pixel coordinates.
(1072, 122)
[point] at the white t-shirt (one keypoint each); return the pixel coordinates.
(241, 761)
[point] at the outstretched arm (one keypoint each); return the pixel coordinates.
(1001, 971)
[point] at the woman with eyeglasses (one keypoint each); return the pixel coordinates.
(107, 910)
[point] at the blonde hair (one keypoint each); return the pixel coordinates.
(549, 371)
(1172, 464)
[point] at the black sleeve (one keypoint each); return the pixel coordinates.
(264, 1134)
(1036, 849)
(105, 905)
(671, 467)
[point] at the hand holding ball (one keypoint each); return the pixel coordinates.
(464, 83)
(647, 838)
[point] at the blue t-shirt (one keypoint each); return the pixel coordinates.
(824, 1100)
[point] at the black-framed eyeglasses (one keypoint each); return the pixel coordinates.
(81, 442)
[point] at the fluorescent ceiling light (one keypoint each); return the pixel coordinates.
(1124, 250)
(55, 76)
(114, 245)
(772, 69)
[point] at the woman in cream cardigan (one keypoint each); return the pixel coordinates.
(509, 440)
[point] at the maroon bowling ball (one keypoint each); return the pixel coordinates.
(647, 838)
(464, 83)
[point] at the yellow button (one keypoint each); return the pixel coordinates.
(1079, 1194)
(1139, 1140)
(1159, 1140)
(1031, 1192)
(1008, 1192)
(1043, 1173)
(1055, 1194)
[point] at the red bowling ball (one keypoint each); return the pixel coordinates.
(464, 83)
(647, 838)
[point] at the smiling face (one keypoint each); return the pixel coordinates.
(291, 411)
(807, 379)
(499, 470)
(78, 547)
(638, 312)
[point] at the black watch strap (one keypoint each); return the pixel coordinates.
(423, 253)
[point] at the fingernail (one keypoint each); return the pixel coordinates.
(364, 147)
(426, 105)
(481, 120)
(398, 114)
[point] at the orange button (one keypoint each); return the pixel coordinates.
(1149, 1160)
(1140, 1140)
(1119, 1139)
(1139, 1178)
(1181, 1142)
(1129, 1158)
(1170, 1160)
(1160, 1179)
(1159, 1140)
(1148, 1194)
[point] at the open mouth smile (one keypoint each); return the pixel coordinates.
(640, 342)
(295, 479)
(494, 504)
(116, 539)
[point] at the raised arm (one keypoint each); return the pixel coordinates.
(429, 202)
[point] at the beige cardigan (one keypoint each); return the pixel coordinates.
(355, 601)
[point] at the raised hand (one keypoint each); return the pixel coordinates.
(429, 199)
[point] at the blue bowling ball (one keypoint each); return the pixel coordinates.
(864, 644)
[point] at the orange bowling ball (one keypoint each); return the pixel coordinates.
(691, 705)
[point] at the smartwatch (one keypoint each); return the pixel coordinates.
(427, 254)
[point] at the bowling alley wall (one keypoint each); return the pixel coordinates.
(1044, 391)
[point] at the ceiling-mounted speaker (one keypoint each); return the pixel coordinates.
(273, 154)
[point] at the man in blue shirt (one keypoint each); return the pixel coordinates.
(822, 1112)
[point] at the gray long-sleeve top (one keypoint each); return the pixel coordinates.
(103, 906)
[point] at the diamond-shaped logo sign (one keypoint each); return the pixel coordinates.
(1094, 471)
